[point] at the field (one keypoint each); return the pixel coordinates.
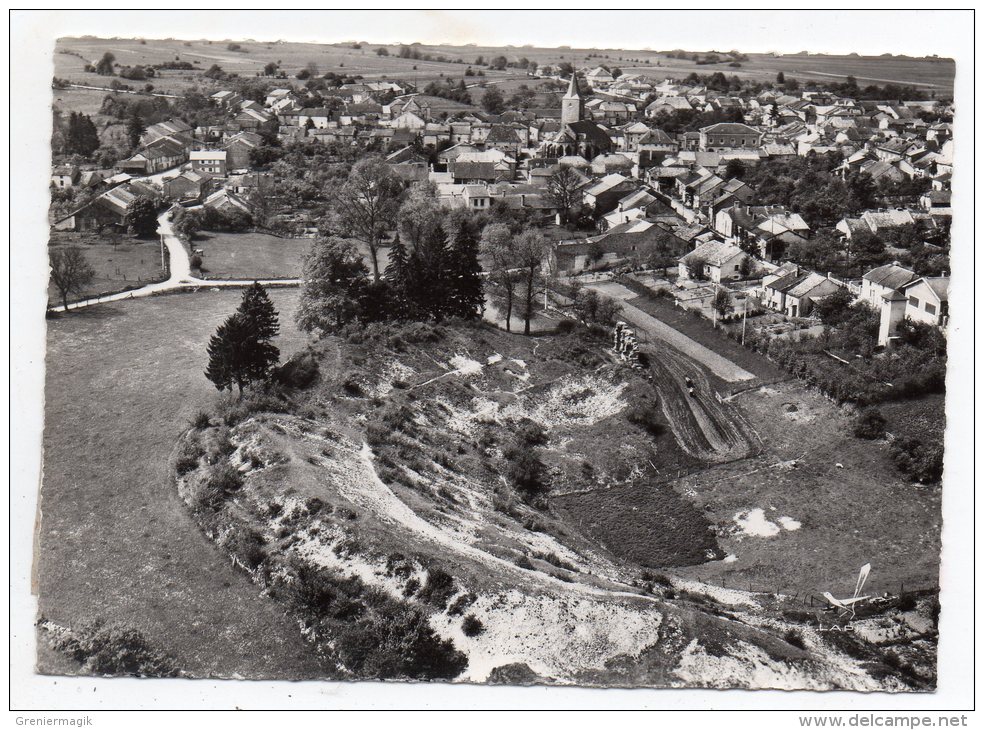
(118, 267)
(931, 74)
(252, 255)
(115, 540)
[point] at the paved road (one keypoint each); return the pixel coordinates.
(180, 278)
(720, 366)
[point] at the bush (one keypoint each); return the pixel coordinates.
(201, 421)
(566, 326)
(870, 424)
(531, 433)
(300, 371)
(438, 588)
(246, 544)
(524, 470)
(221, 481)
(793, 638)
(919, 461)
(646, 416)
(472, 625)
(189, 456)
(524, 562)
(116, 650)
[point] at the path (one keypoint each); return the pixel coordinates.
(180, 277)
(720, 366)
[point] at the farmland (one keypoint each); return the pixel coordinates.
(118, 266)
(251, 255)
(116, 542)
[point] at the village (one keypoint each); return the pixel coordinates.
(592, 373)
(608, 174)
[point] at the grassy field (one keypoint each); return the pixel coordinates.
(116, 542)
(928, 73)
(118, 267)
(252, 255)
(858, 512)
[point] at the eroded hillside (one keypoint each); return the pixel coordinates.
(401, 494)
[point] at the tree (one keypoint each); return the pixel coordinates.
(233, 359)
(780, 78)
(105, 65)
(721, 302)
(564, 189)
(466, 295)
(135, 128)
(834, 309)
(81, 138)
(696, 267)
(187, 223)
(497, 245)
(530, 248)
(401, 284)
(382, 51)
(493, 101)
(335, 281)
(259, 312)
(870, 424)
(71, 272)
(141, 218)
(270, 69)
(365, 205)
(734, 169)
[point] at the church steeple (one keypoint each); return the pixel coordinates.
(572, 105)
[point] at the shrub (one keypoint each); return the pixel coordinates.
(300, 371)
(196, 262)
(460, 603)
(870, 424)
(115, 650)
(201, 421)
(188, 457)
(221, 481)
(647, 416)
(472, 625)
(246, 544)
(525, 471)
(524, 562)
(438, 588)
(351, 384)
(793, 638)
(566, 326)
(531, 433)
(919, 461)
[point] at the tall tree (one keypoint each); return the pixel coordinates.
(530, 249)
(260, 313)
(71, 272)
(365, 205)
(141, 217)
(400, 279)
(493, 101)
(497, 245)
(466, 295)
(232, 356)
(82, 138)
(105, 65)
(135, 128)
(335, 281)
(564, 189)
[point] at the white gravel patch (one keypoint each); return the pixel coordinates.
(788, 523)
(754, 523)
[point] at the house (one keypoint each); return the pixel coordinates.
(871, 221)
(882, 281)
(729, 135)
(181, 131)
(189, 185)
(924, 299)
(255, 121)
(603, 195)
(408, 164)
(227, 202)
(64, 176)
(936, 202)
(210, 161)
(226, 99)
(793, 291)
(108, 210)
(766, 229)
(161, 154)
(718, 261)
(248, 183)
(238, 148)
(599, 78)
(634, 239)
(668, 105)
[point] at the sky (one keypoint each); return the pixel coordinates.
(792, 31)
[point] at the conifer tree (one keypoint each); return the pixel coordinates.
(466, 297)
(401, 286)
(261, 317)
(230, 357)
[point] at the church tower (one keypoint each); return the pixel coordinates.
(572, 105)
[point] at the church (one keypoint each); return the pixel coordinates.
(577, 135)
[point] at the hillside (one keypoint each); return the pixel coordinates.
(401, 495)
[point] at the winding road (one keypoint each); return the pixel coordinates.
(180, 274)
